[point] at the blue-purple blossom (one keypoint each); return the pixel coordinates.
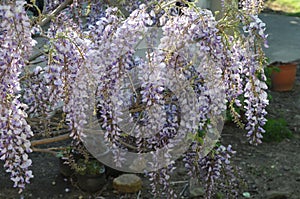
(15, 45)
(214, 170)
(252, 6)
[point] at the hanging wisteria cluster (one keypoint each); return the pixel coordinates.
(15, 42)
(169, 64)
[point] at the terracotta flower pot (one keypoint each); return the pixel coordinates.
(284, 79)
(65, 169)
(90, 175)
(91, 182)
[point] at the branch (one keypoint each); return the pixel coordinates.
(35, 56)
(50, 150)
(44, 151)
(47, 20)
(50, 140)
(55, 12)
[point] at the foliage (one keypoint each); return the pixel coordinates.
(288, 6)
(90, 167)
(64, 153)
(80, 160)
(276, 130)
(90, 66)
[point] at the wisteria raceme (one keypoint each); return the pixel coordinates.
(131, 5)
(53, 86)
(160, 180)
(255, 109)
(244, 63)
(117, 38)
(239, 64)
(255, 95)
(235, 77)
(70, 49)
(255, 27)
(252, 6)
(234, 73)
(52, 4)
(229, 180)
(15, 45)
(97, 10)
(216, 170)
(191, 38)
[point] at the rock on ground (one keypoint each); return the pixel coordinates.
(127, 183)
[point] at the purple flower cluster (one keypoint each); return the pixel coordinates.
(53, 86)
(113, 42)
(214, 170)
(160, 182)
(15, 45)
(246, 90)
(97, 10)
(217, 167)
(254, 89)
(255, 102)
(192, 37)
(52, 4)
(252, 6)
(190, 41)
(243, 73)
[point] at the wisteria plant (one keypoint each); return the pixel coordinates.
(172, 65)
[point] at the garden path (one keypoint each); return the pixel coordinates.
(284, 37)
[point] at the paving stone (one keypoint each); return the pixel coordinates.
(196, 192)
(196, 189)
(277, 195)
(127, 183)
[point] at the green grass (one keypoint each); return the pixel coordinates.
(276, 130)
(291, 7)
